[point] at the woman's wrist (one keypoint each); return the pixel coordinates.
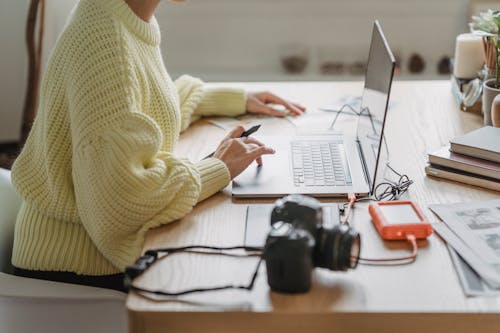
(214, 176)
(230, 102)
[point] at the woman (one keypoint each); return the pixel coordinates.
(97, 170)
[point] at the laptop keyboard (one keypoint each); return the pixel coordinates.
(320, 163)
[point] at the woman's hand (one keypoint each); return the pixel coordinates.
(238, 153)
(258, 103)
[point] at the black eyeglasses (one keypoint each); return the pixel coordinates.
(390, 190)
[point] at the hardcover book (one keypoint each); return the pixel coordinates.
(462, 177)
(446, 158)
(482, 143)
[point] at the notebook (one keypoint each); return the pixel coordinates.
(446, 158)
(482, 143)
(462, 177)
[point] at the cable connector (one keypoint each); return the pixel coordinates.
(413, 241)
(352, 199)
(141, 264)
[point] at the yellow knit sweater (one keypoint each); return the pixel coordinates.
(98, 170)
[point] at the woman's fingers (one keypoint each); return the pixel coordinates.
(238, 154)
(267, 110)
(254, 144)
(258, 103)
(293, 108)
(259, 151)
(250, 140)
(256, 150)
(250, 147)
(235, 132)
(301, 107)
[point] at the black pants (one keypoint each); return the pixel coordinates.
(114, 281)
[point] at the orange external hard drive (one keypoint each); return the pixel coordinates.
(395, 220)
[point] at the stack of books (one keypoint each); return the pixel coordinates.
(473, 158)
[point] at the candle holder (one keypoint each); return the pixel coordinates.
(468, 94)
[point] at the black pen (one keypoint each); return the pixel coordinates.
(248, 132)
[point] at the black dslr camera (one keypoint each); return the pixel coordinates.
(298, 242)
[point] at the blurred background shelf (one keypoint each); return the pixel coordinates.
(239, 40)
(242, 40)
(273, 75)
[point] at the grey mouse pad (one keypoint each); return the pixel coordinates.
(258, 221)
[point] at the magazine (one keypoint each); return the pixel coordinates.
(472, 283)
(473, 230)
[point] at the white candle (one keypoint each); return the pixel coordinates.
(469, 56)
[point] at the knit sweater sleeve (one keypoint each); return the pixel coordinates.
(124, 183)
(196, 100)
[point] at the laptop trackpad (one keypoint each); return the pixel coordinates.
(258, 221)
(272, 178)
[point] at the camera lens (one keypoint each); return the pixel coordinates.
(355, 251)
(337, 248)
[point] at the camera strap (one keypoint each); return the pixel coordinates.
(151, 256)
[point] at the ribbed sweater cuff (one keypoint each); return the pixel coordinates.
(214, 176)
(222, 102)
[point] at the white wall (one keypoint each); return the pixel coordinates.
(57, 13)
(13, 57)
(241, 39)
(238, 40)
(12, 67)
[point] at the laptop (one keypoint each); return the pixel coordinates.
(332, 165)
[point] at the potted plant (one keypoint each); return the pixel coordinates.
(487, 24)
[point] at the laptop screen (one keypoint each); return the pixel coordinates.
(374, 104)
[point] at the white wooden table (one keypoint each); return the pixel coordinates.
(425, 296)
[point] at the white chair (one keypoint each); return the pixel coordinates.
(31, 305)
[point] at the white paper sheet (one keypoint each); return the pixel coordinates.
(473, 230)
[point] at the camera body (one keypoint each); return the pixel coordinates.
(298, 242)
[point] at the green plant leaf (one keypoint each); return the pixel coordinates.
(487, 22)
(496, 18)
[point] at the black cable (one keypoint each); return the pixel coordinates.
(341, 110)
(365, 111)
(392, 190)
(206, 247)
(345, 204)
(151, 256)
(389, 190)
